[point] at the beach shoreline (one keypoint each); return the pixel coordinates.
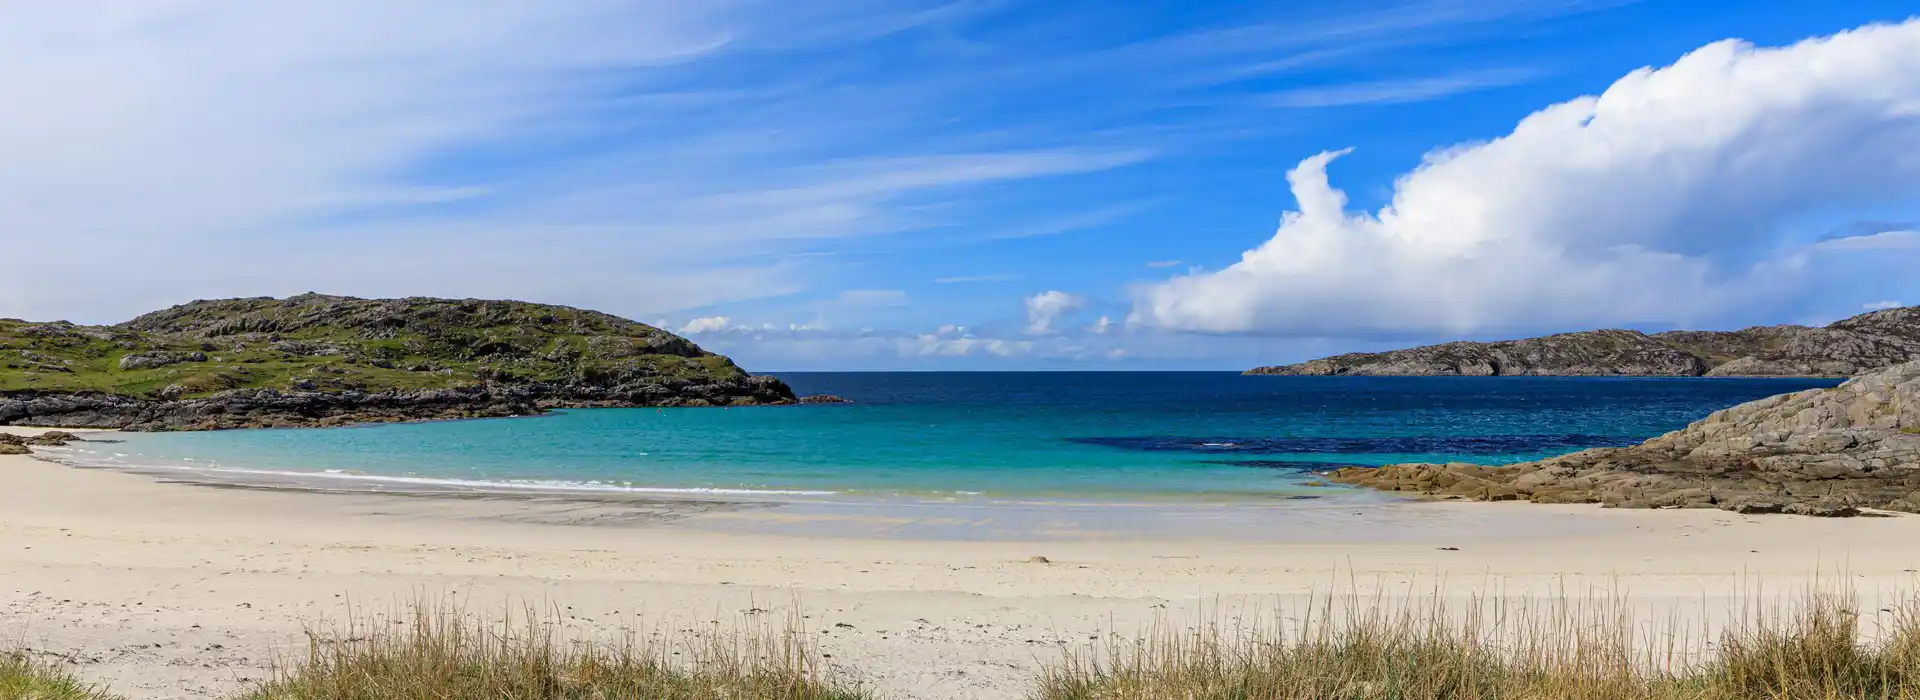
(173, 591)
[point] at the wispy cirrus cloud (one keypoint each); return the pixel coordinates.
(647, 157)
(359, 137)
(1400, 90)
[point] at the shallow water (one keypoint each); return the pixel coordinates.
(959, 438)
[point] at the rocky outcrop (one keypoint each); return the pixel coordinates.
(270, 408)
(1587, 353)
(150, 360)
(316, 359)
(824, 398)
(17, 444)
(1860, 344)
(1827, 452)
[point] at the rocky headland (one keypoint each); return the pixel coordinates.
(1863, 343)
(315, 360)
(1824, 452)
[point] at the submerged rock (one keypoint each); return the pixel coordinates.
(1819, 452)
(824, 398)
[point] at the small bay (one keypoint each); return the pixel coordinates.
(1065, 435)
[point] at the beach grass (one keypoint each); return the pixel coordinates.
(23, 678)
(443, 653)
(1810, 649)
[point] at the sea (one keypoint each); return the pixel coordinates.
(981, 437)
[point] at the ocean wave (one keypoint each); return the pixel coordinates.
(211, 472)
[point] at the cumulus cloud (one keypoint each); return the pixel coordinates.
(1668, 198)
(705, 324)
(1046, 308)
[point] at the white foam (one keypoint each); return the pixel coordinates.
(77, 458)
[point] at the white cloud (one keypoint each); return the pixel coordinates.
(1046, 308)
(1660, 201)
(705, 324)
(1101, 327)
(1884, 240)
(938, 346)
(1878, 305)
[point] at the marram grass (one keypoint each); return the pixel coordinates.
(1810, 650)
(441, 653)
(1814, 647)
(22, 678)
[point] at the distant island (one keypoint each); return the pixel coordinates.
(1863, 343)
(315, 359)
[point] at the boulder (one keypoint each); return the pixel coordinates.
(150, 360)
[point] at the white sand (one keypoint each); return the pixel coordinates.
(176, 591)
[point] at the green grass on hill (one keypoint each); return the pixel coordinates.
(339, 343)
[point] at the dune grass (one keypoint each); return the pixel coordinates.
(22, 678)
(441, 653)
(1811, 649)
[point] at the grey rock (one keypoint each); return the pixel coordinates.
(1819, 452)
(150, 360)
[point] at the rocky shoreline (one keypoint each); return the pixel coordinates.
(1820, 452)
(271, 408)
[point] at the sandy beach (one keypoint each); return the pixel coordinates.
(165, 590)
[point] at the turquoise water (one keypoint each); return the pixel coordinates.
(987, 435)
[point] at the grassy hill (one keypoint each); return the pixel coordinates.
(500, 351)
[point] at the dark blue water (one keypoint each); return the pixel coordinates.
(1090, 435)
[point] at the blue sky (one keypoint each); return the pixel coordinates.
(981, 184)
